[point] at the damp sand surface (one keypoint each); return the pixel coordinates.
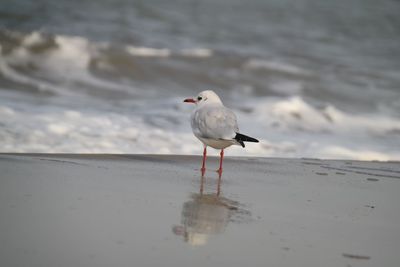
(156, 210)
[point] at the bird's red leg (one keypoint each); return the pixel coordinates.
(220, 162)
(203, 167)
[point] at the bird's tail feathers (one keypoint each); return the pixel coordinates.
(241, 138)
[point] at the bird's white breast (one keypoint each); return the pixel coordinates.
(214, 125)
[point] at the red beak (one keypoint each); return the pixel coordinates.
(189, 100)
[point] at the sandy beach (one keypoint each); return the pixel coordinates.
(155, 210)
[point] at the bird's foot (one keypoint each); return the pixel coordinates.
(219, 171)
(203, 171)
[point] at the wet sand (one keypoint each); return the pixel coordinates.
(145, 210)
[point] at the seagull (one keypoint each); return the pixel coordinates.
(215, 125)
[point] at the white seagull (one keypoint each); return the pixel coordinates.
(215, 125)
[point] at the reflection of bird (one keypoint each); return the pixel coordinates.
(215, 125)
(204, 215)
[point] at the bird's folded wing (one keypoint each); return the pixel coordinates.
(216, 122)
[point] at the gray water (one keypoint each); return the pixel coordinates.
(307, 78)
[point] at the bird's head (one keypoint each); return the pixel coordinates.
(205, 97)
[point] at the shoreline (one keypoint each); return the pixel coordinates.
(227, 157)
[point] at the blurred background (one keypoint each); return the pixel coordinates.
(308, 78)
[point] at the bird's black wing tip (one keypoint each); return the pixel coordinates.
(241, 138)
(241, 143)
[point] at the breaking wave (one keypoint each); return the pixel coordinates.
(100, 97)
(286, 127)
(72, 65)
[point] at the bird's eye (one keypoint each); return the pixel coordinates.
(199, 98)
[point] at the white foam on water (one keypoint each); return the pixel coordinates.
(76, 131)
(197, 52)
(73, 53)
(147, 51)
(66, 62)
(295, 113)
(273, 65)
(70, 61)
(73, 131)
(326, 132)
(33, 39)
(140, 51)
(20, 57)
(286, 127)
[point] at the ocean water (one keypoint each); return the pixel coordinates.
(308, 78)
